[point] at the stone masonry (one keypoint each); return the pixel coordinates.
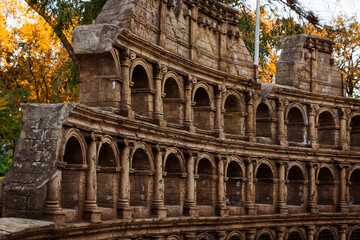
(174, 139)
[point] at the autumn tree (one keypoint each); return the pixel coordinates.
(33, 68)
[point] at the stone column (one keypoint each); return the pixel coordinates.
(124, 210)
(250, 234)
(188, 122)
(160, 70)
(312, 126)
(221, 203)
(190, 236)
(280, 105)
(125, 102)
(281, 233)
(53, 209)
(282, 188)
(193, 31)
(91, 211)
(310, 232)
(250, 116)
(219, 126)
(312, 204)
(344, 115)
(158, 200)
(342, 231)
(343, 203)
(220, 235)
(190, 204)
(250, 188)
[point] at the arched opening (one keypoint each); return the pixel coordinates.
(141, 98)
(265, 236)
(355, 132)
(173, 104)
(173, 184)
(263, 121)
(326, 129)
(325, 187)
(355, 235)
(205, 185)
(235, 238)
(355, 188)
(141, 183)
(73, 179)
(234, 185)
(294, 236)
(326, 234)
(107, 181)
(296, 128)
(203, 116)
(264, 185)
(232, 116)
(295, 194)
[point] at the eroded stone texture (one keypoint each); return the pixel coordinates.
(175, 139)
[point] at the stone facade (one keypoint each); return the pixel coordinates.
(175, 139)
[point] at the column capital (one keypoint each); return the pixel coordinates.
(344, 113)
(282, 162)
(313, 108)
(251, 160)
(160, 148)
(190, 80)
(160, 69)
(220, 91)
(344, 165)
(315, 165)
(281, 103)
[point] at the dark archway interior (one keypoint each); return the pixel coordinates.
(355, 188)
(73, 153)
(173, 106)
(140, 95)
(172, 180)
(264, 185)
(325, 187)
(205, 183)
(106, 156)
(296, 131)
(355, 132)
(326, 129)
(202, 109)
(295, 187)
(234, 185)
(232, 116)
(263, 121)
(326, 234)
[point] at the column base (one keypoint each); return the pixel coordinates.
(219, 134)
(58, 217)
(159, 212)
(124, 213)
(314, 146)
(250, 209)
(313, 208)
(93, 215)
(344, 208)
(192, 211)
(222, 211)
(189, 127)
(159, 121)
(345, 147)
(282, 208)
(283, 142)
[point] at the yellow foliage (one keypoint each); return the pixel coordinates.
(30, 55)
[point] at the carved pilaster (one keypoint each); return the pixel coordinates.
(219, 123)
(280, 106)
(250, 116)
(312, 127)
(343, 202)
(250, 188)
(190, 208)
(344, 116)
(190, 81)
(282, 187)
(158, 202)
(125, 102)
(159, 71)
(312, 205)
(221, 203)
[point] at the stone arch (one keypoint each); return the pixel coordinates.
(296, 122)
(203, 108)
(205, 183)
(354, 188)
(354, 233)
(107, 178)
(74, 147)
(325, 187)
(233, 113)
(264, 185)
(264, 115)
(354, 125)
(234, 176)
(147, 150)
(141, 179)
(173, 237)
(327, 122)
(173, 98)
(295, 234)
(174, 181)
(326, 233)
(235, 235)
(73, 175)
(142, 88)
(204, 236)
(295, 188)
(265, 234)
(106, 148)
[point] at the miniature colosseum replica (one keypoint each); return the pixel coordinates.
(174, 139)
